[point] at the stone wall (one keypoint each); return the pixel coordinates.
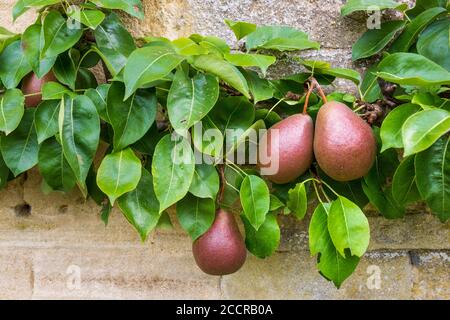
(55, 246)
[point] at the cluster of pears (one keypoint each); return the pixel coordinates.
(342, 143)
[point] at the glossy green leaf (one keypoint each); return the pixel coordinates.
(240, 29)
(404, 188)
(263, 242)
(196, 215)
(233, 183)
(348, 227)
(59, 35)
(279, 38)
(79, 129)
(331, 264)
(191, 99)
(54, 91)
(132, 7)
(115, 43)
(13, 65)
(205, 183)
(297, 200)
(32, 44)
(54, 168)
(412, 69)
(173, 168)
(119, 173)
(422, 129)
(411, 32)
(275, 203)
(19, 9)
(188, 47)
(391, 129)
(260, 89)
(4, 173)
(251, 60)
(20, 148)
(369, 87)
(66, 69)
(368, 5)
(433, 43)
(11, 110)
(141, 207)
(374, 40)
(148, 64)
(46, 119)
(342, 73)
(90, 18)
(427, 100)
(224, 70)
(423, 5)
(99, 97)
(6, 38)
(255, 200)
(215, 45)
(132, 118)
(433, 177)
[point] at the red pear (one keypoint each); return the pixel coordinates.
(31, 84)
(221, 250)
(344, 144)
(287, 149)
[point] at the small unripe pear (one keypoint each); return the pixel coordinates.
(31, 85)
(287, 149)
(344, 145)
(221, 250)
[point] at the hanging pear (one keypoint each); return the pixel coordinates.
(286, 149)
(221, 250)
(32, 86)
(344, 144)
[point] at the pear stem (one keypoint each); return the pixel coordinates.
(322, 94)
(308, 94)
(222, 183)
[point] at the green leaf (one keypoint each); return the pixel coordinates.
(32, 44)
(423, 5)
(54, 168)
(265, 241)
(342, 73)
(6, 38)
(348, 227)
(149, 64)
(427, 100)
(39, 3)
(173, 169)
(368, 5)
(132, 118)
(330, 263)
(11, 110)
(4, 173)
(260, 89)
(98, 96)
(391, 129)
(90, 18)
(191, 99)
(240, 29)
(374, 40)
(54, 91)
(59, 36)
(279, 38)
(18, 9)
(141, 207)
(188, 47)
(275, 203)
(233, 180)
(422, 129)
(205, 183)
(46, 119)
(251, 60)
(79, 127)
(214, 45)
(115, 43)
(411, 32)
(132, 7)
(196, 215)
(224, 70)
(20, 148)
(66, 69)
(433, 43)
(433, 177)
(13, 65)
(404, 188)
(255, 200)
(412, 69)
(369, 87)
(119, 173)
(297, 201)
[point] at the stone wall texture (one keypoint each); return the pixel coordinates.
(61, 249)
